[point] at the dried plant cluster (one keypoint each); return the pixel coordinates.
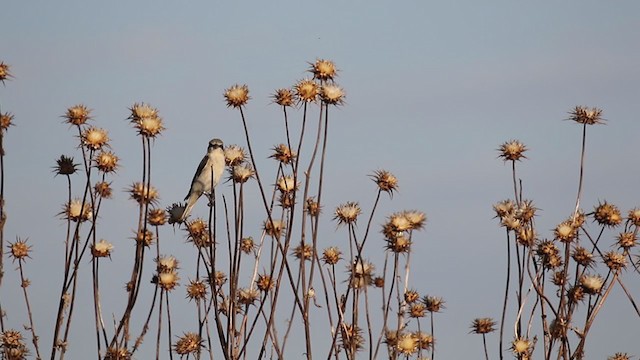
(250, 274)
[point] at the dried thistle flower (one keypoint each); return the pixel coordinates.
(197, 290)
(219, 278)
(511, 222)
(77, 115)
(586, 116)
(106, 161)
(417, 310)
(582, 256)
(166, 263)
(101, 249)
(526, 211)
(434, 304)
(287, 184)
(575, 294)
(407, 344)
(6, 121)
(143, 194)
(117, 353)
(634, 216)
(303, 252)
(614, 261)
(391, 338)
(247, 245)
(411, 296)
(619, 356)
(241, 173)
(425, 341)
(283, 154)
(323, 70)
(549, 254)
(265, 282)
(331, 255)
(189, 343)
(332, 94)
(65, 166)
(361, 274)
(76, 211)
(144, 237)
(13, 345)
(522, 347)
(386, 181)
(627, 240)
(526, 236)
(5, 74)
(95, 138)
(167, 280)
(248, 296)
(416, 219)
(237, 95)
(504, 208)
(146, 120)
(351, 337)
(286, 200)
(347, 213)
(398, 244)
(157, 217)
(591, 284)
(512, 150)
(273, 228)
(175, 212)
(284, 97)
(198, 232)
(19, 250)
(483, 325)
(312, 207)
(565, 232)
(234, 155)
(559, 278)
(607, 215)
(307, 90)
(378, 281)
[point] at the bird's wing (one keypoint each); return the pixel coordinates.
(203, 163)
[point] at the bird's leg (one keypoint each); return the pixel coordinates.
(212, 198)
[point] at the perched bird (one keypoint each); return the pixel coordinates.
(207, 175)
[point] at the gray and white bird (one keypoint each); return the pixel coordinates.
(207, 176)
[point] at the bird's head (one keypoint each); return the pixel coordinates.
(215, 144)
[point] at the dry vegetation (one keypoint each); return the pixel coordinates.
(244, 280)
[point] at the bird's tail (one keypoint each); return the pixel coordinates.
(191, 201)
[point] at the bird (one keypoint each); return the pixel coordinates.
(207, 176)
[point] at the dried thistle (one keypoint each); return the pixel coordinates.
(117, 353)
(434, 304)
(234, 155)
(331, 255)
(197, 290)
(247, 245)
(634, 216)
(175, 212)
(6, 121)
(360, 274)
(323, 70)
(386, 181)
(582, 256)
(522, 348)
(265, 282)
(307, 90)
(607, 214)
(565, 232)
(237, 96)
(101, 249)
(241, 173)
(144, 237)
(591, 284)
(407, 344)
(347, 213)
(166, 263)
(143, 194)
(586, 116)
(95, 138)
(146, 120)
(614, 261)
(19, 250)
(106, 162)
(483, 325)
(76, 211)
(248, 296)
(287, 184)
(627, 240)
(284, 97)
(157, 217)
(167, 280)
(283, 154)
(303, 252)
(273, 228)
(332, 94)
(512, 150)
(189, 343)
(65, 166)
(312, 207)
(77, 115)
(5, 74)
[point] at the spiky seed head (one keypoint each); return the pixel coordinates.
(283, 154)
(77, 115)
(101, 249)
(559, 278)
(511, 222)
(307, 90)
(483, 325)
(521, 347)
(103, 189)
(512, 150)
(411, 296)
(582, 256)
(391, 338)
(106, 162)
(168, 280)
(141, 111)
(240, 174)
(6, 121)
(286, 200)
(607, 214)
(586, 116)
(13, 346)
(75, 211)
(331, 255)
(175, 212)
(399, 244)
(248, 296)
(565, 232)
(347, 213)
(273, 228)
(19, 250)
(65, 166)
(332, 94)
(558, 328)
(627, 240)
(619, 356)
(197, 290)
(237, 95)
(575, 294)
(167, 263)
(189, 343)
(247, 245)
(219, 279)
(265, 282)
(146, 119)
(323, 70)
(526, 211)
(361, 274)
(234, 155)
(117, 353)
(312, 207)
(351, 337)
(284, 97)
(526, 236)
(143, 194)
(591, 284)
(287, 184)
(378, 281)
(407, 344)
(614, 260)
(95, 138)
(303, 252)
(157, 217)
(144, 237)
(504, 208)
(425, 341)
(386, 181)
(5, 74)
(416, 219)
(549, 254)
(434, 304)
(198, 232)
(417, 310)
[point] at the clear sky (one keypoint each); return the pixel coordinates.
(433, 88)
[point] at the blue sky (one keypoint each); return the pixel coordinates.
(433, 88)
